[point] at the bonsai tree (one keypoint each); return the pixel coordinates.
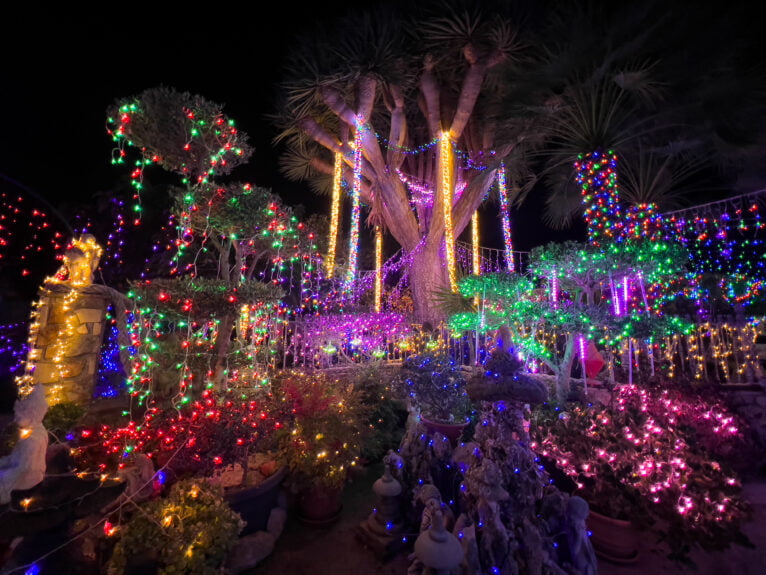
(229, 236)
(578, 292)
(436, 385)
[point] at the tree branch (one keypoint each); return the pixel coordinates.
(430, 91)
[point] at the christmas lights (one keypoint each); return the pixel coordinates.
(378, 269)
(596, 172)
(446, 167)
(356, 206)
(334, 214)
(502, 192)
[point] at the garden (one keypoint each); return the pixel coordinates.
(532, 412)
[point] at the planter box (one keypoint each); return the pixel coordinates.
(452, 431)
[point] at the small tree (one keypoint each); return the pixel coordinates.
(579, 293)
(230, 237)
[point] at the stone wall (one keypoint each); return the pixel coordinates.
(68, 341)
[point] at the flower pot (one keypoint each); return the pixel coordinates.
(452, 431)
(320, 505)
(255, 503)
(615, 540)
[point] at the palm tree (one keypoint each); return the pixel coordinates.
(654, 94)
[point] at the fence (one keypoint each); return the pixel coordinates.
(717, 353)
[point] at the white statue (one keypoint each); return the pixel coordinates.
(25, 466)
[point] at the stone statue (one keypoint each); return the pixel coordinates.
(25, 466)
(80, 261)
(582, 556)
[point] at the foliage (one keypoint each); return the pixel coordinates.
(652, 456)
(437, 386)
(327, 430)
(62, 417)
(200, 298)
(221, 428)
(184, 133)
(190, 531)
(386, 414)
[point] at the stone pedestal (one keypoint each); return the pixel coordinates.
(382, 529)
(67, 341)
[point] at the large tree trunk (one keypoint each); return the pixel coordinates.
(428, 275)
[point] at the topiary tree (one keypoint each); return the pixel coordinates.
(230, 237)
(577, 293)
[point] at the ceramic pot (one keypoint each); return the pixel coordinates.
(615, 540)
(255, 503)
(452, 431)
(320, 505)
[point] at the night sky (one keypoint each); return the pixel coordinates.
(63, 68)
(66, 69)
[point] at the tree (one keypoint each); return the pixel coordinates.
(581, 292)
(422, 93)
(647, 110)
(230, 236)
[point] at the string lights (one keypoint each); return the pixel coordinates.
(446, 162)
(356, 206)
(332, 243)
(505, 214)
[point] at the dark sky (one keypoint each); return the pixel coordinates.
(60, 77)
(63, 67)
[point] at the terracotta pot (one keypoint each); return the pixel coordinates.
(320, 505)
(613, 539)
(452, 431)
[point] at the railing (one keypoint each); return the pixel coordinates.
(715, 353)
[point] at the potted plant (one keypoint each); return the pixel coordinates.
(322, 443)
(227, 437)
(191, 530)
(651, 460)
(436, 386)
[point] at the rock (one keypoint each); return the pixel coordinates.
(250, 550)
(276, 522)
(518, 387)
(269, 468)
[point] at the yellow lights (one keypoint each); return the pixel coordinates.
(167, 520)
(445, 164)
(475, 249)
(80, 262)
(332, 244)
(378, 268)
(25, 432)
(475, 243)
(25, 503)
(194, 492)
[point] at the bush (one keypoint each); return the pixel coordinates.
(650, 458)
(190, 531)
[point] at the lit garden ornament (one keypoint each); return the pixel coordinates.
(437, 549)
(25, 466)
(382, 528)
(67, 327)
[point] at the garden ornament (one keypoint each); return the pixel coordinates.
(25, 466)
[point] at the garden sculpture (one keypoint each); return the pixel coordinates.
(25, 466)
